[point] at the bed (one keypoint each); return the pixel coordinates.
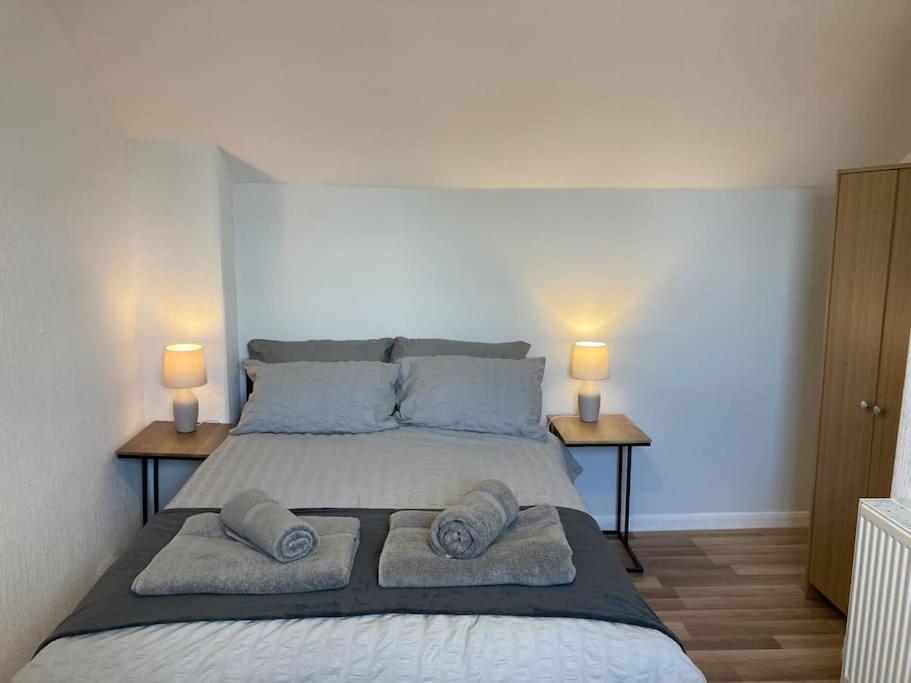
(405, 467)
(364, 428)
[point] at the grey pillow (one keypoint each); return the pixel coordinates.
(404, 348)
(497, 395)
(309, 397)
(271, 351)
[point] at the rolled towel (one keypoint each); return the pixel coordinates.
(464, 531)
(532, 551)
(253, 518)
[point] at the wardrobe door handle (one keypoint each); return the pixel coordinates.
(877, 411)
(864, 405)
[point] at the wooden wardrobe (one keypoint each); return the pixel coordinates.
(868, 326)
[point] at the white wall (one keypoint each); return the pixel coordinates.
(712, 302)
(225, 193)
(69, 374)
(182, 202)
(901, 479)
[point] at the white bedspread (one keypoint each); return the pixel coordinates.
(408, 467)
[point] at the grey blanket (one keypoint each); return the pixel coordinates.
(602, 589)
(465, 529)
(201, 558)
(253, 518)
(531, 552)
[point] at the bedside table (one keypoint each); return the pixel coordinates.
(609, 430)
(161, 441)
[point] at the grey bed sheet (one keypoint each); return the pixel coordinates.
(408, 467)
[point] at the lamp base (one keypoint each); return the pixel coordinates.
(589, 407)
(186, 411)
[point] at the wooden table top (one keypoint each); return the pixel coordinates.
(161, 440)
(609, 430)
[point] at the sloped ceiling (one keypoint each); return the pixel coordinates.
(512, 93)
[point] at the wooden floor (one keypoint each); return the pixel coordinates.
(736, 600)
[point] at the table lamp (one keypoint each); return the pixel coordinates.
(590, 364)
(184, 367)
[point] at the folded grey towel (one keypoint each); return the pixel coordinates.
(201, 558)
(253, 518)
(533, 551)
(465, 530)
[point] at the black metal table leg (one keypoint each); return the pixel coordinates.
(155, 484)
(145, 491)
(629, 480)
(619, 486)
(623, 504)
(629, 483)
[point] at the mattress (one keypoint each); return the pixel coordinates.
(407, 467)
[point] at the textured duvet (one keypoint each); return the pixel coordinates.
(408, 467)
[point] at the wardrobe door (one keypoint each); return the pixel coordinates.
(857, 294)
(894, 353)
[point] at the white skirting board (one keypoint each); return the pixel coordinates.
(710, 520)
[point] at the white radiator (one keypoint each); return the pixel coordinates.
(878, 641)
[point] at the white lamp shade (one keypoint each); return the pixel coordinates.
(590, 361)
(184, 366)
